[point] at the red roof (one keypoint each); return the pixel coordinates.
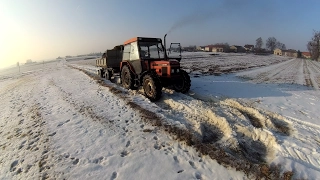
(306, 53)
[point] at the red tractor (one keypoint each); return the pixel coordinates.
(142, 61)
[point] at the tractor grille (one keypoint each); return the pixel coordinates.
(164, 71)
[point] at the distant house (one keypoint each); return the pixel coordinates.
(235, 49)
(201, 48)
(290, 53)
(306, 55)
(249, 47)
(277, 51)
(29, 61)
(215, 48)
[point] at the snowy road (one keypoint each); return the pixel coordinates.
(63, 122)
(295, 71)
(59, 123)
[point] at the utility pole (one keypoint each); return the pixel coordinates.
(318, 45)
(18, 66)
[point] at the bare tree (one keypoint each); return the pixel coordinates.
(313, 45)
(299, 54)
(271, 43)
(259, 43)
(281, 46)
(225, 45)
(309, 47)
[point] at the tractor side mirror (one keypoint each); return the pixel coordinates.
(175, 51)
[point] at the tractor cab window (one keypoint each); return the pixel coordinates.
(130, 52)
(126, 52)
(151, 50)
(134, 53)
(175, 51)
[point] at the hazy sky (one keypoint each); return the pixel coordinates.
(46, 29)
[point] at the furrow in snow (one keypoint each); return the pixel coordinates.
(27, 151)
(190, 137)
(272, 121)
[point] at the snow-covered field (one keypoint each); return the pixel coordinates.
(62, 121)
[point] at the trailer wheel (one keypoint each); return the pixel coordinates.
(127, 78)
(99, 73)
(107, 75)
(152, 87)
(184, 84)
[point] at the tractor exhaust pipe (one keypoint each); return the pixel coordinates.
(165, 47)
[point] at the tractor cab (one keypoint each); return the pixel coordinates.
(145, 62)
(145, 54)
(150, 49)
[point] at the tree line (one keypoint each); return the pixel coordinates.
(271, 44)
(313, 45)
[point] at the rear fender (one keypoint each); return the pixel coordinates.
(126, 63)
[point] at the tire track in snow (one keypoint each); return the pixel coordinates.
(314, 74)
(280, 73)
(299, 153)
(305, 152)
(271, 121)
(191, 138)
(287, 72)
(255, 144)
(305, 156)
(83, 116)
(29, 146)
(296, 68)
(266, 76)
(306, 74)
(81, 107)
(200, 118)
(10, 87)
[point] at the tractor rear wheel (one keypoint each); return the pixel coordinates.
(127, 78)
(152, 87)
(184, 84)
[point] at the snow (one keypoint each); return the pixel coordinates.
(62, 120)
(58, 122)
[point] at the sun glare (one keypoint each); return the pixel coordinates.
(14, 41)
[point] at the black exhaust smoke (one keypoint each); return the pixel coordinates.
(204, 14)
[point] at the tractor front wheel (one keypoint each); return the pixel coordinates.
(152, 87)
(183, 85)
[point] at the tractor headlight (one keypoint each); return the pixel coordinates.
(178, 70)
(172, 71)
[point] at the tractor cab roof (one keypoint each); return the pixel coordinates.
(142, 39)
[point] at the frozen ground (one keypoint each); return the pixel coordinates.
(61, 121)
